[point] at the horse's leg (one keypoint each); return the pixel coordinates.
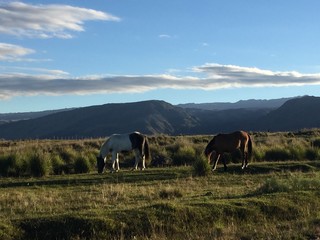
(216, 159)
(117, 162)
(143, 163)
(244, 157)
(245, 160)
(113, 160)
(137, 159)
(209, 158)
(225, 164)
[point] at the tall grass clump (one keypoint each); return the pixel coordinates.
(58, 165)
(13, 165)
(293, 183)
(184, 156)
(82, 165)
(277, 154)
(201, 167)
(312, 153)
(272, 185)
(39, 164)
(68, 155)
(160, 156)
(316, 143)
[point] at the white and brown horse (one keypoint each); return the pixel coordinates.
(227, 143)
(117, 143)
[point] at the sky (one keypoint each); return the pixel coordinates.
(64, 54)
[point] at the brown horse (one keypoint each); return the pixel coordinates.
(222, 143)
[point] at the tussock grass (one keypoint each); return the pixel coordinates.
(276, 197)
(79, 156)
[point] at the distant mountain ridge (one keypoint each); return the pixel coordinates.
(245, 104)
(153, 117)
(294, 114)
(11, 117)
(252, 104)
(103, 120)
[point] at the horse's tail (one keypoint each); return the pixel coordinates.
(146, 148)
(249, 147)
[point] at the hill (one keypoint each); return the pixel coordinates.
(293, 115)
(12, 117)
(152, 117)
(242, 104)
(97, 121)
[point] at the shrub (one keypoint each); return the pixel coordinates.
(82, 165)
(68, 155)
(312, 153)
(316, 143)
(297, 153)
(201, 167)
(160, 157)
(258, 154)
(184, 156)
(39, 164)
(12, 165)
(277, 154)
(92, 157)
(57, 165)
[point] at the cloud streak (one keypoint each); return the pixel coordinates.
(205, 77)
(11, 52)
(46, 21)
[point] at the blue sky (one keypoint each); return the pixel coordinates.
(62, 54)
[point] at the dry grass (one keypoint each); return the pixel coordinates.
(163, 201)
(269, 200)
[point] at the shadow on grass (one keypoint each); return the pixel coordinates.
(124, 176)
(272, 167)
(154, 174)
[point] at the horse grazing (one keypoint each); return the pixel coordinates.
(222, 143)
(123, 143)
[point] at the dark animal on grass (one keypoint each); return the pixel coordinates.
(228, 143)
(117, 143)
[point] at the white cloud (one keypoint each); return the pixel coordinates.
(10, 52)
(46, 21)
(236, 76)
(164, 36)
(206, 77)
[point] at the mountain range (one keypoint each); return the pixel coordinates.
(153, 117)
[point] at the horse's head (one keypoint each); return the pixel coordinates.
(100, 164)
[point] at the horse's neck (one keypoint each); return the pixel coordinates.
(105, 149)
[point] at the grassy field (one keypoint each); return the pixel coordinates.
(276, 197)
(268, 201)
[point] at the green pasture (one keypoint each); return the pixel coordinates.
(50, 190)
(268, 201)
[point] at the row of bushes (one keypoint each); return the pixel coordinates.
(38, 164)
(54, 157)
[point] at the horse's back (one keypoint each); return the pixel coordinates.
(119, 142)
(230, 141)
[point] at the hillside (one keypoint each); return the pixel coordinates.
(152, 117)
(295, 114)
(97, 121)
(252, 104)
(12, 117)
